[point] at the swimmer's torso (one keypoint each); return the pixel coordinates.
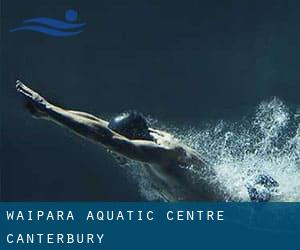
(177, 179)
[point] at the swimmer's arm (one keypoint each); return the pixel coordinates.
(83, 124)
(142, 150)
(96, 129)
(87, 115)
(34, 100)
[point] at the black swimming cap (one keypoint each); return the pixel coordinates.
(132, 125)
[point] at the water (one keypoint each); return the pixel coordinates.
(268, 141)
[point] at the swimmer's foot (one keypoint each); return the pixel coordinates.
(263, 188)
(35, 103)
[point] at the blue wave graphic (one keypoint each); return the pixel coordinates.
(55, 27)
(47, 31)
(53, 23)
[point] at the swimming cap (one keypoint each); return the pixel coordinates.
(132, 125)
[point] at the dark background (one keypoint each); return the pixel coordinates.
(182, 62)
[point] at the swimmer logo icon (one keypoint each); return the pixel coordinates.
(53, 27)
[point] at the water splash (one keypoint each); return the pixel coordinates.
(267, 142)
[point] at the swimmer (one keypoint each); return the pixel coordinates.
(129, 136)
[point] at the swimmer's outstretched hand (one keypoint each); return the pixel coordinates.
(35, 103)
